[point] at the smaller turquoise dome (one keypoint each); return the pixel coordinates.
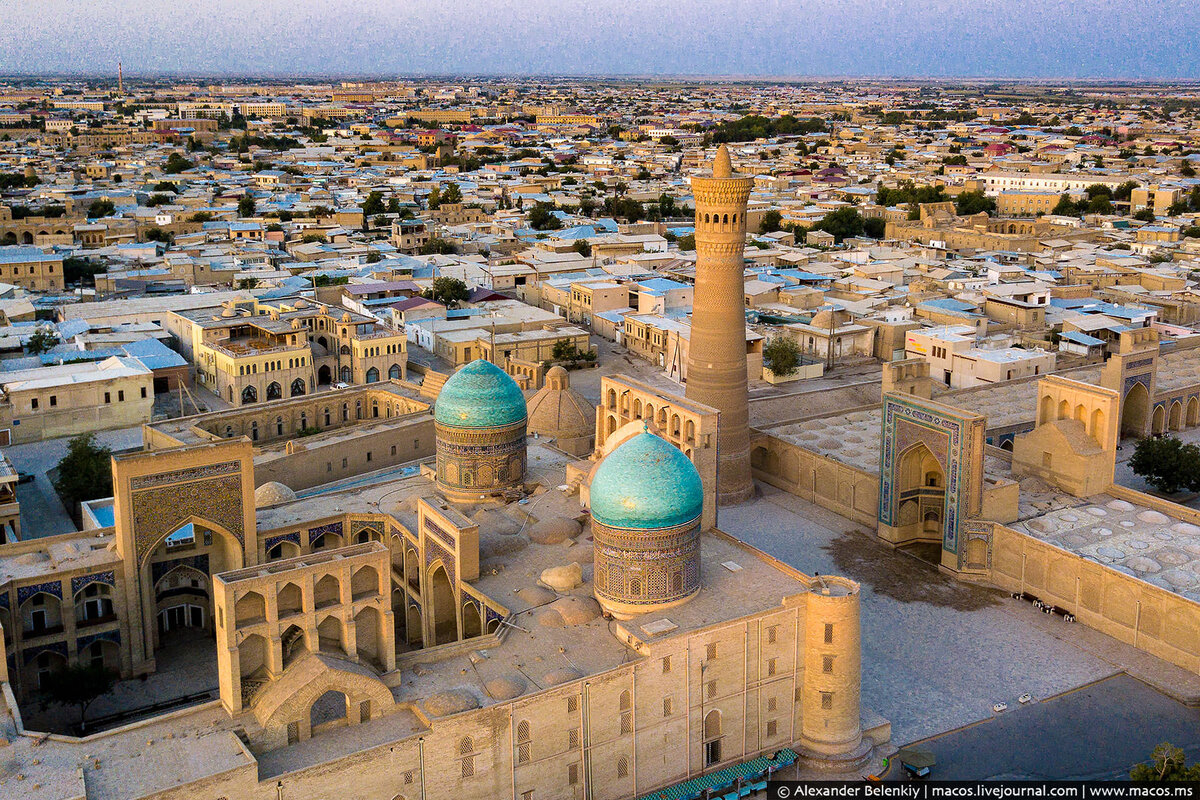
(646, 482)
(480, 395)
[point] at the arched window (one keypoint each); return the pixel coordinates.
(623, 767)
(523, 743)
(373, 375)
(274, 390)
(279, 426)
(298, 387)
(394, 372)
(254, 431)
(249, 395)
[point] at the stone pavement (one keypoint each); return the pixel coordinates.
(937, 652)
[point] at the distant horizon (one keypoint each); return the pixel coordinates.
(767, 40)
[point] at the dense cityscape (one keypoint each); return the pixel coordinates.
(611, 438)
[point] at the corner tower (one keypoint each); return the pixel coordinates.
(717, 351)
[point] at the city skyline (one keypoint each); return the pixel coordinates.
(802, 39)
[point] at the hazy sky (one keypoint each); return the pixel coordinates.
(994, 38)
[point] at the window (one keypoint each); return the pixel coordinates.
(573, 739)
(34, 403)
(772, 704)
(107, 397)
(143, 392)
(826, 700)
(826, 663)
(53, 400)
(772, 729)
(666, 664)
(572, 774)
(623, 767)
(626, 713)
(771, 666)
(523, 745)
(710, 689)
(572, 705)
(828, 633)
(527, 795)
(711, 651)
(368, 455)
(120, 395)
(772, 634)
(668, 706)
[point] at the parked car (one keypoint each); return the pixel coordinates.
(340, 385)
(26, 477)
(998, 707)
(1025, 698)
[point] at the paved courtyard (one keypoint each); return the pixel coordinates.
(937, 652)
(1094, 733)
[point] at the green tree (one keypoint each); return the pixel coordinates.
(166, 186)
(435, 197)
(541, 218)
(453, 194)
(687, 243)
(43, 339)
(438, 246)
(771, 221)
(247, 283)
(1186, 170)
(1167, 464)
(1167, 763)
(781, 355)
(447, 291)
(968, 203)
(1145, 215)
(246, 206)
(1100, 204)
(582, 247)
(843, 223)
(875, 227)
(85, 472)
(100, 208)
(373, 205)
(202, 216)
(1065, 207)
(176, 164)
(157, 234)
(157, 200)
(77, 685)
(1124, 190)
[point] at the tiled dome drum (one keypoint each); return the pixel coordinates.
(646, 501)
(479, 420)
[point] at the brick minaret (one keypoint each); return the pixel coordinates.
(716, 373)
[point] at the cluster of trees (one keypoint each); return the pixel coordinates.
(100, 208)
(541, 218)
(566, 353)
(1167, 763)
(845, 223)
(52, 211)
(755, 126)
(176, 164)
(243, 143)
(968, 203)
(438, 246)
(1167, 464)
(16, 180)
(437, 196)
(909, 192)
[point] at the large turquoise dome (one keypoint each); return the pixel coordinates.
(480, 395)
(646, 482)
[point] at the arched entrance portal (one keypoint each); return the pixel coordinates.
(445, 618)
(1134, 411)
(922, 490)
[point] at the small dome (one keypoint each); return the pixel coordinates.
(558, 411)
(646, 483)
(480, 395)
(271, 493)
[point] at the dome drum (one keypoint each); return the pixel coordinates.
(479, 424)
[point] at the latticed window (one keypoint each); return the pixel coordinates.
(828, 633)
(523, 753)
(827, 663)
(626, 713)
(623, 767)
(711, 688)
(523, 731)
(668, 706)
(772, 704)
(572, 704)
(573, 738)
(772, 728)
(572, 774)
(666, 664)
(468, 767)
(710, 651)
(771, 666)
(827, 700)
(465, 746)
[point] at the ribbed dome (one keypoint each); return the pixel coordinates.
(273, 492)
(558, 411)
(480, 395)
(646, 483)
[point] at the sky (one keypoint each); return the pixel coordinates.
(1118, 39)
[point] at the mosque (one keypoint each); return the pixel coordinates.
(538, 613)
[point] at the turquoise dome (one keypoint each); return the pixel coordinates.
(646, 482)
(480, 395)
